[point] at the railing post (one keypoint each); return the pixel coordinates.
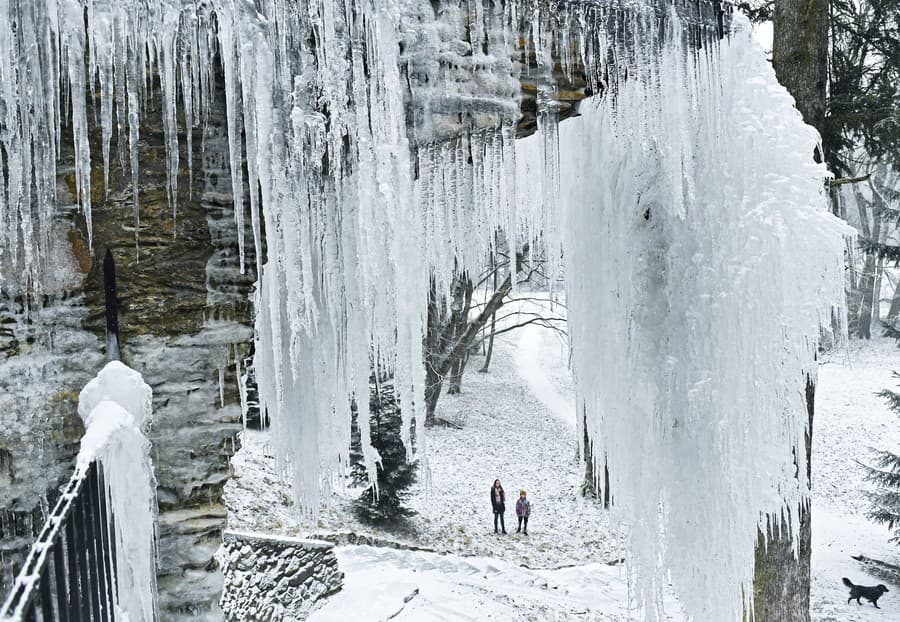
(59, 569)
(84, 572)
(109, 545)
(72, 567)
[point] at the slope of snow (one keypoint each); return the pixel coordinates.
(533, 341)
(508, 432)
(426, 587)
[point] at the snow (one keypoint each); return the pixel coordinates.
(566, 568)
(850, 419)
(384, 584)
(532, 341)
(507, 433)
(116, 408)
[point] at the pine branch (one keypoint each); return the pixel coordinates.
(893, 399)
(881, 251)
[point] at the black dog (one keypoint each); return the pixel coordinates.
(870, 593)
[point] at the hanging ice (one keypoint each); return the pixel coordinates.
(379, 142)
(702, 265)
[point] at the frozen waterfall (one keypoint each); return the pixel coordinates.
(378, 137)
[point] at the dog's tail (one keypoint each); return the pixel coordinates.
(847, 582)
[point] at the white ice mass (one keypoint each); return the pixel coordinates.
(701, 266)
(116, 409)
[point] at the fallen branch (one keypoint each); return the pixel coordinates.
(882, 569)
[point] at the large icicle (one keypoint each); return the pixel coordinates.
(378, 137)
(702, 265)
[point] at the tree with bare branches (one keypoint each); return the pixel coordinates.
(456, 324)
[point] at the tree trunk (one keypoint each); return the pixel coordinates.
(876, 294)
(800, 56)
(456, 374)
(800, 59)
(866, 292)
(865, 295)
(781, 581)
(490, 346)
(433, 380)
(894, 311)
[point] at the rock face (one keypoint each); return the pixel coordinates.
(184, 324)
(275, 579)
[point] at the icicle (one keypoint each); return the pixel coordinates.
(72, 27)
(166, 58)
(232, 103)
(683, 200)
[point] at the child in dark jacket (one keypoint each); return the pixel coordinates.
(498, 503)
(523, 511)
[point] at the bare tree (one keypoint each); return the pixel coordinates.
(456, 324)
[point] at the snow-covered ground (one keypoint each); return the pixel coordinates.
(517, 426)
(850, 418)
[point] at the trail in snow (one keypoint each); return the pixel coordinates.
(531, 357)
(850, 418)
(427, 587)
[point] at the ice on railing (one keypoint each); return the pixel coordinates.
(116, 407)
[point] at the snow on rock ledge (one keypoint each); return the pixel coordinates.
(276, 578)
(116, 408)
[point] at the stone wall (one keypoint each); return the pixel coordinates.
(276, 579)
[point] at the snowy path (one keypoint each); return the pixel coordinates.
(427, 587)
(512, 434)
(534, 344)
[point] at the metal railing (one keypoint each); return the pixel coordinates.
(69, 574)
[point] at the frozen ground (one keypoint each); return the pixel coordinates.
(517, 426)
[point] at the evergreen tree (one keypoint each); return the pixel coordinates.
(395, 475)
(886, 473)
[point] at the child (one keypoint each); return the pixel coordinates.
(498, 502)
(523, 511)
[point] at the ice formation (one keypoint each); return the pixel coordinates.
(116, 408)
(702, 267)
(379, 142)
